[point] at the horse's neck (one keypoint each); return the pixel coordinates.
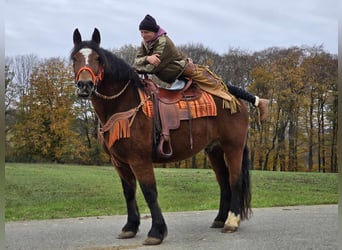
(105, 108)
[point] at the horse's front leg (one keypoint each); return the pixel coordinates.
(129, 186)
(158, 231)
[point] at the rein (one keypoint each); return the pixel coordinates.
(105, 97)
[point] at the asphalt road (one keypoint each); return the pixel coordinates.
(299, 227)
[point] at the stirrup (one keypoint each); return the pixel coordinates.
(164, 147)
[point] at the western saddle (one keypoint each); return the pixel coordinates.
(167, 115)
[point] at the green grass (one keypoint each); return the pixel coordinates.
(44, 191)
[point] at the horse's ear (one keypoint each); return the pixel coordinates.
(96, 36)
(77, 37)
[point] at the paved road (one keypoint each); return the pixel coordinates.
(300, 227)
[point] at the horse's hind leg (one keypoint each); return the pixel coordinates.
(129, 186)
(218, 164)
(238, 166)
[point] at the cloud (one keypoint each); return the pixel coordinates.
(45, 27)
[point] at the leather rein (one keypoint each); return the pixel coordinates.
(112, 97)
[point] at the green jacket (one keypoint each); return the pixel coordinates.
(172, 61)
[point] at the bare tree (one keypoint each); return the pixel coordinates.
(22, 67)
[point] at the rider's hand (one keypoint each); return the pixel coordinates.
(153, 59)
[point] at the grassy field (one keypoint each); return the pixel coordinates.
(45, 191)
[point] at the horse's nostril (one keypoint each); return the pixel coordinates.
(85, 88)
(80, 84)
(85, 84)
(90, 84)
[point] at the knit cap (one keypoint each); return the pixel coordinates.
(149, 23)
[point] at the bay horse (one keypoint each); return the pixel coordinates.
(112, 86)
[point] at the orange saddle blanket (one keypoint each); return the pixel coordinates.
(201, 107)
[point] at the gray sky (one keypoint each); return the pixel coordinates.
(45, 27)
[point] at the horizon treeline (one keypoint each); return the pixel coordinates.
(46, 122)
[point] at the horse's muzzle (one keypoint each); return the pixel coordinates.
(85, 89)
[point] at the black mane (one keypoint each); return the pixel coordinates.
(114, 67)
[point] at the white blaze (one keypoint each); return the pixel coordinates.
(86, 53)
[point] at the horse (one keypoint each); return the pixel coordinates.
(112, 86)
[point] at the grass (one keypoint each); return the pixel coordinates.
(45, 191)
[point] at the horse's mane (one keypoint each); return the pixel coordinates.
(114, 67)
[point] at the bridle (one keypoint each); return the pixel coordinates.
(96, 79)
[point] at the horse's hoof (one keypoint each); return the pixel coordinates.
(232, 223)
(152, 241)
(217, 224)
(126, 235)
(229, 229)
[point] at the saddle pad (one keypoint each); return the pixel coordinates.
(204, 106)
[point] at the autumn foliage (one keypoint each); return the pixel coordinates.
(46, 122)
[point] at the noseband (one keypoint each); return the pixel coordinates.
(96, 78)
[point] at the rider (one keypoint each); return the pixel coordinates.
(158, 55)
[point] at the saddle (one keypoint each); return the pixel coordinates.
(167, 115)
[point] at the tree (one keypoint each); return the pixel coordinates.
(10, 97)
(45, 120)
(17, 72)
(86, 127)
(126, 52)
(321, 76)
(236, 67)
(22, 67)
(45, 116)
(301, 82)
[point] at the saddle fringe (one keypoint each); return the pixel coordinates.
(118, 126)
(119, 130)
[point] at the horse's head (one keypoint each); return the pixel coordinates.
(88, 63)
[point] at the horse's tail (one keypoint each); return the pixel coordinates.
(246, 196)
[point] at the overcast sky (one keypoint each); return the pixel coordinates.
(45, 28)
